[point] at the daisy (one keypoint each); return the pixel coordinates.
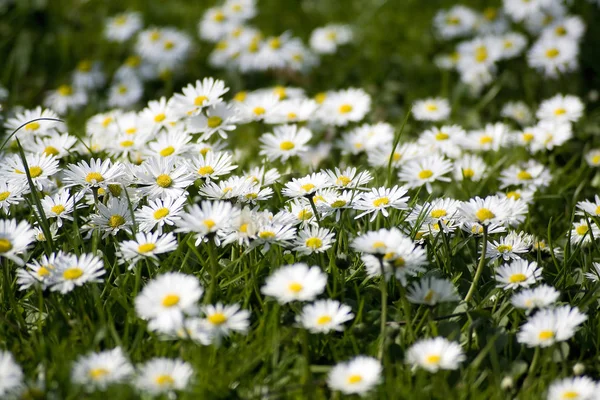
(38, 272)
(431, 109)
(595, 275)
(202, 94)
(243, 228)
(588, 207)
(517, 111)
(207, 219)
(160, 213)
(323, 316)
(210, 166)
(72, 270)
(492, 138)
(157, 114)
(486, 211)
(122, 26)
(432, 291)
(582, 235)
(55, 144)
(11, 375)
(220, 119)
(580, 387)
(161, 177)
(424, 171)
(380, 199)
(313, 240)
(531, 175)
(286, 141)
(517, 274)
(15, 238)
(435, 354)
(592, 157)
(65, 98)
(553, 56)
(345, 106)
(549, 326)
(377, 242)
(367, 137)
(113, 217)
(40, 166)
(513, 44)
(221, 319)
(99, 370)
(381, 155)
(444, 211)
(257, 107)
(125, 93)
(36, 122)
(402, 259)
(357, 376)
(296, 282)
(306, 186)
(88, 75)
(292, 110)
(561, 108)
(548, 134)
(334, 202)
(10, 193)
(520, 10)
(445, 140)
(571, 27)
(539, 297)
(97, 174)
(162, 375)
(172, 143)
(455, 22)
(325, 40)
(61, 205)
(510, 247)
(268, 233)
(166, 299)
(470, 168)
(147, 246)
(263, 176)
(349, 178)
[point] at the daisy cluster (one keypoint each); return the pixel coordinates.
(215, 221)
(541, 29)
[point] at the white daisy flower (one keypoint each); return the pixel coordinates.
(517, 111)
(486, 211)
(561, 108)
(435, 354)
(38, 272)
(11, 375)
(161, 177)
(583, 231)
(65, 98)
(592, 157)
(257, 107)
(100, 370)
(518, 273)
(313, 240)
(580, 387)
(344, 106)
(325, 40)
(72, 270)
(125, 92)
(147, 246)
(88, 75)
(97, 174)
(553, 56)
(469, 167)
(492, 138)
(595, 275)
(160, 213)
(357, 376)
(549, 326)
(206, 219)
(323, 316)
(10, 193)
(510, 247)
(61, 205)
(286, 141)
(296, 282)
(113, 217)
(588, 207)
(349, 178)
(41, 168)
(44, 125)
(431, 109)
(306, 186)
(220, 119)
(432, 291)
(15, 238)
(122, 26)
(539, 297)
(532, 175)
(210, 166)
(167, 299)
(163, 375)
(425, 171)
(55, 144)
(380, 199)
(221, 320)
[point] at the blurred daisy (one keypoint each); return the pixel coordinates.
(553, 56)
(431, 109)
(286, 141)
(357, 376)
(122, 26)
(549, 326)
(580, 387)
(167, 299)
(561, 108)
(221, 319)
(432, 291)
(324, 316)
(296, 282)
(206, 219)
(539, 297)
(65, 98)
(313, 240)
(15, 238)
(88, 75)
(38, 272)
(342, 107)
(425, 171)
(592, 157)
(455, 22)
(125, 92)
(10, 193)
(163, 375)
(435, 354)
(326, 40)
(517, 111)
(99, 370)
(11, 375)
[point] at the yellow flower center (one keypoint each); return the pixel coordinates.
(206, 170)
(219, 16)
(292, 115)
(378, 245)
(399, 262)
(513, 195)
(209, 223)
(314, 243)
(442, 136)
(65, 90)
(582, 230)
(122, 89)
(516, 278)
(275, 43)
(570, 395)
(161, 213)
(4, 195)
(305, 215)
(425, 174)
(167, 151)
(133, 61)
(266, 235)
(324, 319)
(546, 335)
(115, 221)
(490, 13)
(429, 296)
(164, 380)
(198, 101)
(295, 287)
(169, 45)
(240, 96)
(338, 204)
(32, 126)
(560, 111)
(5, 245)
(552, 53)
(320, 97)
(354, 379)
(164, 180)
(431, 107)
(85, 66)
(217, 318)
(439, 213)
(345, 108)
(51, 151)
(485, 139)
(286, 145)
(146, 247)
(58, 209)
(308, 187)
(468, 173)
(170, 300)
(433, 359)
(35, 171)
(483, 214)
(160, 117)
(214, 121)
(98, 373)
(115, 189)
(259, 110)
(527, 137)
(43, 271)
(343, 180)
(73, 273)
(452, 20)
(524, 176)
(481, 54)
(382, 201)
(127, 143)
(94, 177)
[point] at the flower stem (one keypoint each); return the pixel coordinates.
(384, 295)
(213, 272)
(480, 266)
(314, 208)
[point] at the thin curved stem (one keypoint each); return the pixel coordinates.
(480, 266)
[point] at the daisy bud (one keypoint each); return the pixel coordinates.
(507, 383)
(578, 369)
